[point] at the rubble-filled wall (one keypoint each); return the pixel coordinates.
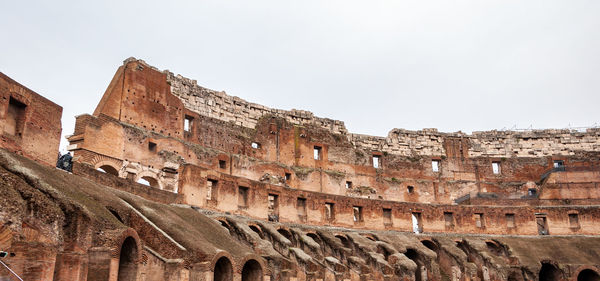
(29, 123)
(536, 143)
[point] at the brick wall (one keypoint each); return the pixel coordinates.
(29, 123)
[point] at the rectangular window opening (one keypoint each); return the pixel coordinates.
(211, 188)
(357, 213)
(15, 119)
(416, 222)
(348, 185)
(243, 196)
(187, 123)
(542, 224)
(496, 168)
(449, 219)
(387, 216)
(317, 153)
(559, 164)
(479, 220)
(288, 176)
(301, 208)
(329, 212)
(376, 161)
(273, 207)
(435, 165)
(152, 146)
(410, 189)
(574, 220)
(222, 164)
(510, 221)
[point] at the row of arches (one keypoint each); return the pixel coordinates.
(145, 178)
(223, 270)
(129, 254)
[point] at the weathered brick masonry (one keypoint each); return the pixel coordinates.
(238, 191)
(29, 123)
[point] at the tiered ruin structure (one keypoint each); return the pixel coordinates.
(173, 181)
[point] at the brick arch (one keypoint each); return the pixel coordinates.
(101, 160)
(555, 270)
(582, 268)
(250, 257)
(149, 174)
(108, 163)
(286, 229)
(343, 238)
(260, 232)
(430, 243)
(118, 243)
(220, 255)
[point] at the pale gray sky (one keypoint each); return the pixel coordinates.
(376, 65)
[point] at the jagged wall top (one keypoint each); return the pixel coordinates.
(228, 108)
(534, 143)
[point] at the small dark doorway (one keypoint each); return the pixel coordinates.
(223, 270)
(252, 271)
(127, 260)
(549, 272)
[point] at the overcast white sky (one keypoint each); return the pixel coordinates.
(376, 65)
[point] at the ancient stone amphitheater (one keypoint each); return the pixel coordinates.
(173, 181)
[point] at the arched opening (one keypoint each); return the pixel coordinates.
(315, 237)
(257, 230)
(224, 224)
(252, 271)
(127, 260)
(588, 275)
(223, 270)
(149, 181)
(430, 245)
(344, 241)
(495, 248)
(549, 272)
(109, 170)
(286, 234)
(413, 255)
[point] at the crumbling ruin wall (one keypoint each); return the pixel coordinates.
(535, 143)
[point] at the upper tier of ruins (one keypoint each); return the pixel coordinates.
(173, 181)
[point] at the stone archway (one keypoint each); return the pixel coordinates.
(109, 170)
(549, 272)
(149, 179)
(287, 234)
(588, 275)
(223, 270)
(127, 260)
(252, 271)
